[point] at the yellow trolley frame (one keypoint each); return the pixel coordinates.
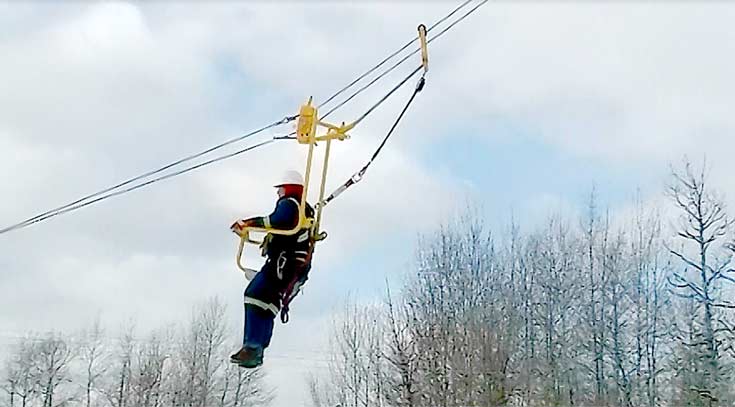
(306, 129)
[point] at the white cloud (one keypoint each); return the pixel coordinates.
(619, 81)
(94, 93)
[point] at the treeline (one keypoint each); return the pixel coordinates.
(185, 365)
(632, 311)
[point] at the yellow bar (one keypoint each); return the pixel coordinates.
(329, 125)
(343, 129)
(322, 189)
(245, 237)
(239, 253)
(303, 221)
(424, 48)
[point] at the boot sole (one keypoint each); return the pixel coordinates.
(245, 364)
(249, 365)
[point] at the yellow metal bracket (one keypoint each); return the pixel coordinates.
(307, 125)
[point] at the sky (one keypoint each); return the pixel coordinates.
(527, 107)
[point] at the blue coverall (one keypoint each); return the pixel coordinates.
(263, 294)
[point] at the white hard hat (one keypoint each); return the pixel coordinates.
(290, 178)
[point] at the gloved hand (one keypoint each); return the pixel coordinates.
(240, 224)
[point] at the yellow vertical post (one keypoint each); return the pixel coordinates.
(322, 188)
(307, 175)
(306, 134)
(424, 48)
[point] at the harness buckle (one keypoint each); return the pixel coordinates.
(280, 265)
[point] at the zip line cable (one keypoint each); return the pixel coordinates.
(77, 204)
(405, 58)
(152, 181)
(391, 56)
(203, 164)
(32, 220)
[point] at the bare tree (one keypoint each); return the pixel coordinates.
(556, 309)
(401, 357)
(727, 322)
(148, 372)
(21, 381)
(200, 354)
(650, 297)
(52, 356)
(357, 347)
(93, 355)
(244, 388)
(460, 321)
(703, 225)
(369, 365)
(321, 395)
(617, 290)
(595, 301)
(116, 388)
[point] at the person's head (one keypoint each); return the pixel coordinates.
(291, 183)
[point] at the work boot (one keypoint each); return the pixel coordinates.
(248, 357)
